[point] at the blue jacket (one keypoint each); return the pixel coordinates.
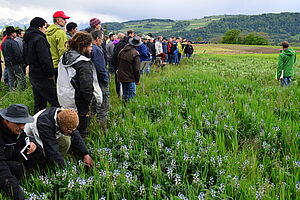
(100, 64)
(144, 52)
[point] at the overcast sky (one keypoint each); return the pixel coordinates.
(110, 10)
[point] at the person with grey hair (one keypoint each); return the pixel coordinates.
(103, 79)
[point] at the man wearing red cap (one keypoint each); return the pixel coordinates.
(57, 38)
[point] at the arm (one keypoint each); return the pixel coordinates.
(61, 42)
(17, 52)
(44, 57)
(47, 134)
(279, 67)
(136, 68)
(85, 77)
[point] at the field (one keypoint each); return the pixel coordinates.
(214, 127)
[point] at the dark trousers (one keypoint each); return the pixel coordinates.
(118, 87)
(84, 113)
(44, 91)
(18, 169)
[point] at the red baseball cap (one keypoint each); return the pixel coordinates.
(60, 14)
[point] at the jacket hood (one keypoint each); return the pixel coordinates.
(71, 57)
(289, 52)
(52, 29)
(31, 32)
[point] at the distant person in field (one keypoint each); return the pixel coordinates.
(41, 72)
(129, 68)
(110, 51)
(72, 28)
(55, 131)
(5, 72)
(188, 49)
(13, 163)
(98, 59)
(13, 60)
(19, 39)
(144, 51)
(57, 38)
(170, 50)
(286, 62)
(159, 49)
(77, 83)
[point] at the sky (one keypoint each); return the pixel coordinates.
(119, 11)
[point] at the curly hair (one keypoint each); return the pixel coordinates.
(79, 41)
(68, 118)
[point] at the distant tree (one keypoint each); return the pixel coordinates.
(231, 37)
(199, 38)
(257, 38)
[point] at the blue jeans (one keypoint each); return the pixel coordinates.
(129, 91)
(16, 77)
(188, 55)
(286, 81)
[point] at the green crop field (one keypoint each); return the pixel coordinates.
(213, 127)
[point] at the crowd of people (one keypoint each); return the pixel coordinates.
(70, 70)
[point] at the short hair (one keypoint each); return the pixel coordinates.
(79, 41)
(37, 22)
(97, 34)
(129, 32)
(285, 44)
(68, 118)
(71, 26)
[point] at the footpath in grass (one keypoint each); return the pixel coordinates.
(214, 127)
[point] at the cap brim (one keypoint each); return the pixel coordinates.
(65, 17)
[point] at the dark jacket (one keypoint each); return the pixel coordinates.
(151, 47)
(10, 146)
(118, 47)
(188, 49)
(11, 52)
(129, 65)
(100, 65)
(83, 80)
(144, 52)
(37, 54)
(47, 129)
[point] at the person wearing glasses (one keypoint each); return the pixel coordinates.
(57, 38)
(55, 130)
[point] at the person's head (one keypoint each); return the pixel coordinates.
(15, 117)
(59, 18)
(121, 36)
(135, 41)
(170, 39)
(82, 43)
(159, 38)
(189, 42)
(97, 37)
(111, 36)
(20, 33)
(11, 32)
(72, 28)
(67, 121)
(130, 33)
(39, 23)
(95, 23)
(145, 38)
(285, 45)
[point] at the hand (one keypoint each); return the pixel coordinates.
(51, 78)
(32, 148)
(88, 160)
(137, 83)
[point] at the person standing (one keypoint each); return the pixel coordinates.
(110, 51)
(72, 28)
(57, 38)
(13, 60)
(286, 61)
(129, 68)
(77, 83)
(103, 79)
(13, 139)
(188, 49)
(41, 73)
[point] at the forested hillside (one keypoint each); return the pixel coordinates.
(282, 26)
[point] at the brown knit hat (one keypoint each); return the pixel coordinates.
(68, 118)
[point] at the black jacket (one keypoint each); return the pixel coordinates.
(46, 125)
(188, 49)
(36, 50)
(11, 52)
(118, 47)
(10, 147)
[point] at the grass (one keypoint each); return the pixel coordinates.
(214, 127)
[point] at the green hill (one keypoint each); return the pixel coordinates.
(281, 26)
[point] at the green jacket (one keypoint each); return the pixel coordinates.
(286, 61)
(57, 39)
(180, 50)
